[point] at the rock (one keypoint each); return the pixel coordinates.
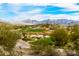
(60, 52)
(63, 52)
(71, 53)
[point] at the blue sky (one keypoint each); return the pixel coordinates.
(22, 11)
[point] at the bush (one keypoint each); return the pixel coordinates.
(75, 36)
(60, 37)
(8, 38)
(42, 47)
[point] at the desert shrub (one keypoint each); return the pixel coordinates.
(75, 32)
(75, 36)
(8, 38)
(60, 37)
(6, 26)
(42, 47)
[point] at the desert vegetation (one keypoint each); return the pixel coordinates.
(39, 40)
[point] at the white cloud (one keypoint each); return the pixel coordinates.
(68, 6)
(16, 7)
(34, 11)
(11, 8)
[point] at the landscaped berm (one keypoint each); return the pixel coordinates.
(39, 40)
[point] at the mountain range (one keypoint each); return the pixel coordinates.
(49, 21)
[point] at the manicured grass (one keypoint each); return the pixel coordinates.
(35, 30)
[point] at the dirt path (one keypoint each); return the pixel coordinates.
(22, 48)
